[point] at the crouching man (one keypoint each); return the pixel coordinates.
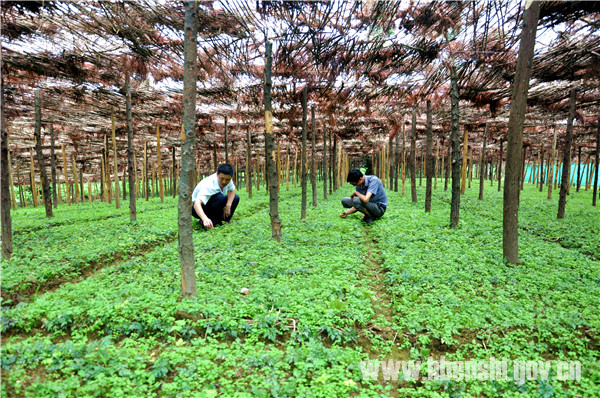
(370, 197)
(214, 199)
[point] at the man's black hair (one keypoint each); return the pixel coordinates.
(354, 175)
(225, 169)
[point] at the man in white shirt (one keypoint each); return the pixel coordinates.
(214, 199)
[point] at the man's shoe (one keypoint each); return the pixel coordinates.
(368, 219)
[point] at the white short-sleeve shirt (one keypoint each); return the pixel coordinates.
(208, 187)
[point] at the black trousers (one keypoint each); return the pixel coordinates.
(214, 208)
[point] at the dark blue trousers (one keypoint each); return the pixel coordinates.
(214, 208)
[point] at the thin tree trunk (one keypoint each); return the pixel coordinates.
(53, 167)
(325, 163)
(184, 204)
(303, 155)
(542, 153)
(270, 147)
(40, 155)
(597, 164)
(7, 236)
(130, 154)
(578, 169)
(500, 159)
(465, 157)
(403, 157)
(249, 164)
(161, 185)
(413, 157)
(551, 165)
(482, 174)
(564, 185)
(396, 161)
(226, 145)
(334, 163)
(518, 107)
(313, 167)
(429, 162)
(456, 182)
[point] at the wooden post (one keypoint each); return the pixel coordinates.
(160, 182)
(11, 182)
(429, 160)
(5, 218)
(287, 168)
(269, 147)
(325, 171)
(114, 142)
(562, 201)
(597, 164)
(53, 167)
(313, 166)
(303, 157)
(174, 174)
(34, 192)
(89, 184)
(75, 185)
(131, 164)
(107, 170)
(146, 183)
(500, 160)
(66, 174)
(482, 174)
(551, 165)
(413, 157)
(455, 140)
(470, 167)
(463, 183)
(403, 156)
(436, 166)
(103, 178)
(81, 193)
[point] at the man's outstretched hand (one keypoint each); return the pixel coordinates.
(343, 215)
(207, 223)
(226, 211)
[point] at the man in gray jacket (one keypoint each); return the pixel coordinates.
(370, 197)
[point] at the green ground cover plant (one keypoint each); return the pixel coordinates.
(331, 294)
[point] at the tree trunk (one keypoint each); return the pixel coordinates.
(313, 167)
(542, 153)
(564, 184)
(7, 245)
(184, 204)
(500, 159)
(413, 157)
(396, 161)
(429, 162)
(131, 172)
(325, 163)
(403, 157)
(465, 156)
(40, 156)
(578, 169)
(482, 174)
(456, 182)
(161, 185)
(303, 155)
(596, 166)
(270, 157)
(551, 165)
(53, 167)
(249, 164)
(226, 145)
(334, 164)
(518, 107)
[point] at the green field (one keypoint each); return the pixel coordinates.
(92, 304)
